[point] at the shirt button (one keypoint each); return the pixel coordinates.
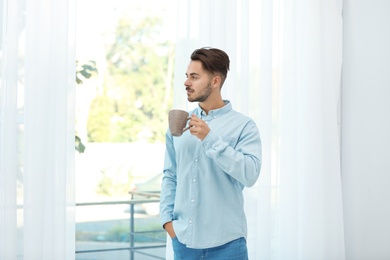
(192, 201)
(190, 221)
(196, 160)
(194, 180)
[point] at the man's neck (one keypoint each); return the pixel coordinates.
(207, 106)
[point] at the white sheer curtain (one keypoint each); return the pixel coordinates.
(285, 73)
(37, 129)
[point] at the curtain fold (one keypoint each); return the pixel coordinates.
(8, 129)
(285, 74)
(37, 129)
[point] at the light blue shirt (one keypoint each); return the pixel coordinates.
(203, 180)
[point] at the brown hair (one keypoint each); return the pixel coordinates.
(213, 60)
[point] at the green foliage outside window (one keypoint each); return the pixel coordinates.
(83, 72)
(137, 87)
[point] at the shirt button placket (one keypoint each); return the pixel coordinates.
(194, 191)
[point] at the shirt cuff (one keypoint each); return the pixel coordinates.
(209, 140)
(213, 145)
(165, 219)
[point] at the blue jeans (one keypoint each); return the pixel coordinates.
(234, 250)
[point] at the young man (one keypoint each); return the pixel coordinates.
(206, 168)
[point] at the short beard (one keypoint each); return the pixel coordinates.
(203, 95)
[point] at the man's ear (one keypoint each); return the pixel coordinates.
(216, 81)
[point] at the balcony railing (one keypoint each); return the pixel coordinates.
(152, 239)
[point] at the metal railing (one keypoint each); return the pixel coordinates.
(149, 197)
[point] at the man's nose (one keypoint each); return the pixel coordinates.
(187, 83)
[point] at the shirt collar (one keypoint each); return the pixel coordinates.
(216, 112)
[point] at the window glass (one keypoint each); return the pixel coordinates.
(125, 58)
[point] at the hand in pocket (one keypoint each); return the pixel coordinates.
(169, 228)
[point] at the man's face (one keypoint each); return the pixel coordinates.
(198, 83)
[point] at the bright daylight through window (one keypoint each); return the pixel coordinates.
(125, 59)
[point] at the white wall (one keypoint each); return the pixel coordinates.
(366, 128)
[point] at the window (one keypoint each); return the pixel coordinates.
(125, 59)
